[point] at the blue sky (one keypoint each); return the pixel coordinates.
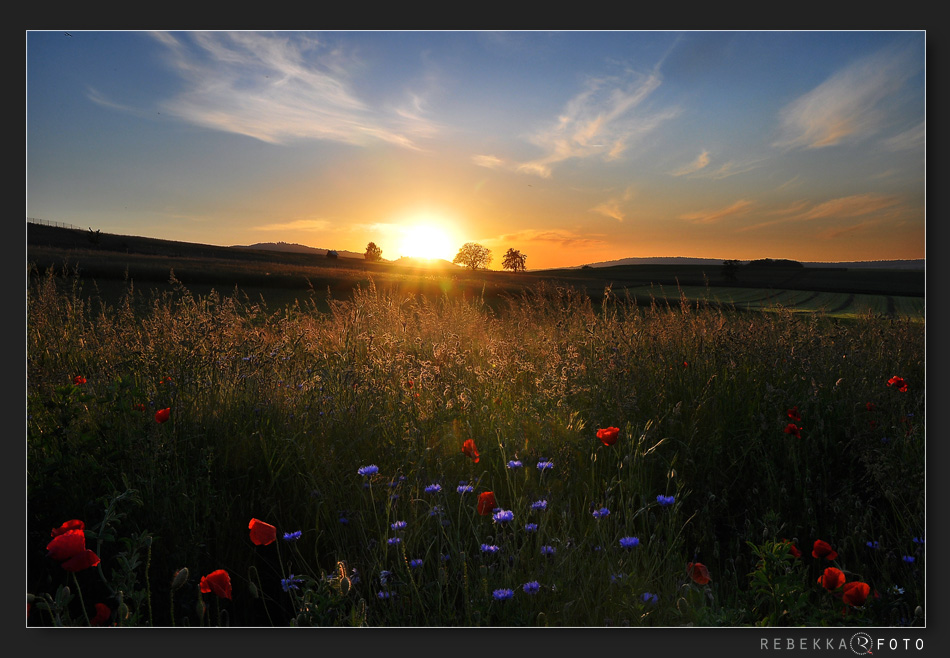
(571, 147)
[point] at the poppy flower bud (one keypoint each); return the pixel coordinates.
(179, 579)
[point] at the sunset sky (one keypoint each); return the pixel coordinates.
(572, 147)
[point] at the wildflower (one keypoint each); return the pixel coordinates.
(629, 542)
(539, 505)
(465, 488)
(794, 430)
(647, 597)
(616, 577)
(489, 548)
(531, 527)
(608, 436)
(832, 578)
(162, 415)
(365, 471)
(68, 547)
(398, 525)
(918, 540)
(103, 612)
(291, 582)
(415, 564)
(822, 549)
(486, 503)
(435, 511)
(899, 383)
(794, 415)
(698, 572)
(433, 488)
(665, 501)
(384, 576)
(870, 406)
(218, 581)
(909, 559)
(502, 516)
(545, 465)
(532, 587)
(382, 595)
(79, 380)
(502, 594)
(855, 593)
(792, 548)
(262, 533)
(547, 550)
(601, 513)
(897, 590)
(470, 451)
(343, 520)
(292, 536)
(873, 544)
(392, 541)
(515, 463)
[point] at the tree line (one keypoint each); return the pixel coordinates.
(471, 254)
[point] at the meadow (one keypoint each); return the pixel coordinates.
(408, 457)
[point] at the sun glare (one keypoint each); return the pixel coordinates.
(426, 241)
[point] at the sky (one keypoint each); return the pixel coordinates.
(571, 147)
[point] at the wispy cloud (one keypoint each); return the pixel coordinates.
(847, 106)
(740, 207)
(909, 139)
(490, 161)
(602, 121)
(280, 87)
(555, 237)
(850, 206)
(296, 225)
(877, 206)
(614, 206)
(701, 161)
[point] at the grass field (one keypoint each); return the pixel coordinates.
(240, 461)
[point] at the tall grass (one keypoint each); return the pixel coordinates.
(273, 411)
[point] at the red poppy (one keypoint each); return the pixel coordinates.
(103, 613)
(69, 549)
(794, 430)
(79, 379)
(899, 382)
(609, 435)
(794, 415)
(822, 549)
(468, 447)
(870, 406)
(855, 593)
(262, 533)
(162, 415)
(139, 407)
(792, 548)
(486, 503)
(75, 524)
(832, 579)
(217, 581)
(698, 572)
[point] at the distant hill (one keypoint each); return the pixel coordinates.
(292, 247)
(917, 264)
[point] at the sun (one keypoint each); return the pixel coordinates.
(426, 241)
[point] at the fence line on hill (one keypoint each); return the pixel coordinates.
(46, 222)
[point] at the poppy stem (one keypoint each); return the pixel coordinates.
(82, 604)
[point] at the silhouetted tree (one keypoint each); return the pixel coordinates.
(473, 255)
(331, 253)
(513, 260)
(373, 253)
(729, 268)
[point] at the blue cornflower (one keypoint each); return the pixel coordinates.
(384, 576)
(616, 577)
(368, 470)
(445, 557)
(433, 488)
(415, 564)
(665, 501)
(502, 516)
(392, 541)
(532, 587)
(398, 525)
(382, 595)
(909, 559)
(502, 594)
(547, 550)
(489, 548)
(531, 527)
(292, 536)
(515, 463)
(629, 542)
(354, 576)
(647, 597)
(290, 582)
(343, 520)
(435, 511)
(873, 544)
(539, 504)
(601, 513)
(545, 465)
(918, 540)
(465, 488)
